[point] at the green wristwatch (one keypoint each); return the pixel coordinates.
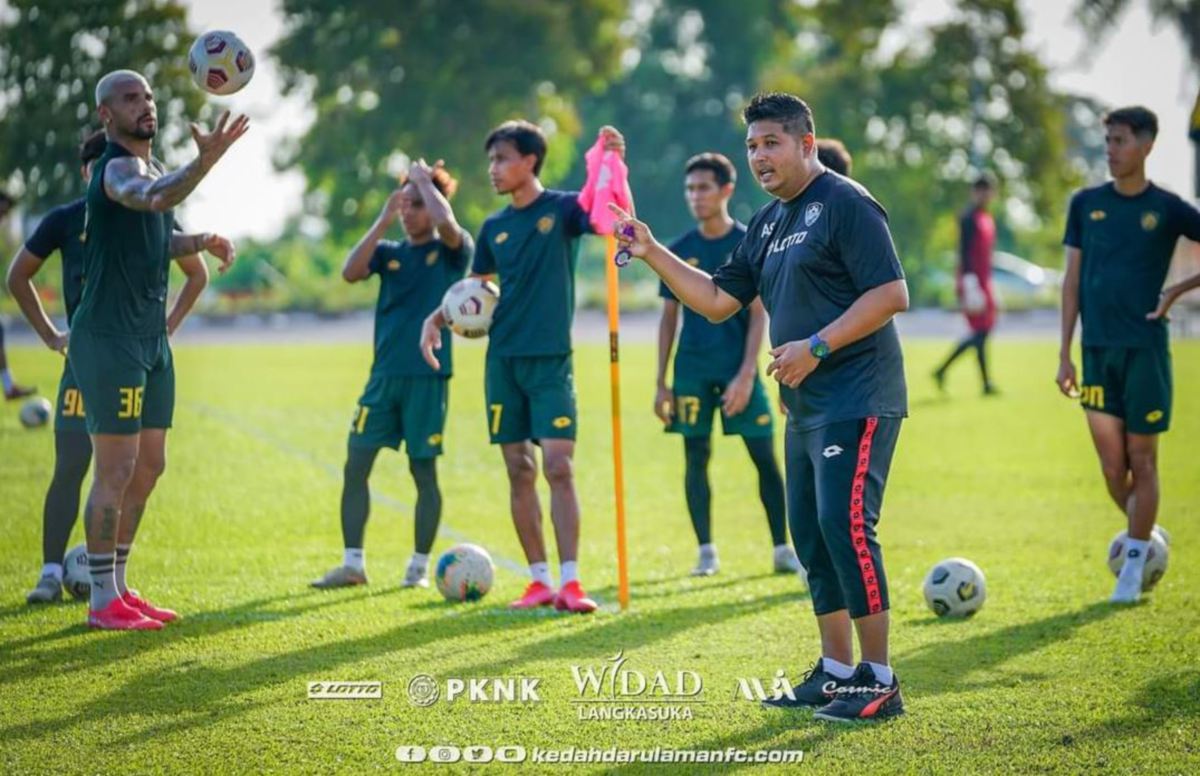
(818, 347)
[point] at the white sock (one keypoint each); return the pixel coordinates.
(104, 585)
(6, 378)
(836, 668)
(541, 573)
(569, 571)
(122, 558)
(1135, 552)
(708, 551)
(53, 570)
(882, 673)
(419, 560)
(355, 558)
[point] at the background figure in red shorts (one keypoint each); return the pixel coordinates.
(977, 239)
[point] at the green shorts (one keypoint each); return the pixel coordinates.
(409, 409)
(697, 400)
(69, 417)
(127, 383)
(1133, 384)
(412, 409)
(529, 397)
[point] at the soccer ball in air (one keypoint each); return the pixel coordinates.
(468, 306)
(1156, 558)
(76, 579)
(36, 412)
(955, 587)
(220, 62)
(464, 573)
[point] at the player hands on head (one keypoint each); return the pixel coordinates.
(716, 367)
(405, 399)
(821, 258)
(120, 353)
(1120, 238)
(529, 382)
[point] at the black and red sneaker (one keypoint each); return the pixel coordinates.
(863, 697)
(815, 689)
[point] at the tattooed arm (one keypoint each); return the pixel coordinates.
(132, 182)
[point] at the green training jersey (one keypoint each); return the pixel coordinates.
(1126, 244)
(412, 280)
(127, 255)
(533, 249)
(708, 350)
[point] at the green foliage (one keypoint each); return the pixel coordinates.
(430, 81)
(924, 119)
(51, 56)
(1099, 17)
(696, 65)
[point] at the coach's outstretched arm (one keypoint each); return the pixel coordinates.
(695, 288)
(131, 181)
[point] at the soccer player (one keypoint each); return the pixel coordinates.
(61, 230)
(120, 356)
(716, 366)
(977, 239)
(821, 258)
(833, 155)
(529, 385)
(1119, 239)
(405, 399)
(11, 389)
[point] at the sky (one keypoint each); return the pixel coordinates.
(245, 196)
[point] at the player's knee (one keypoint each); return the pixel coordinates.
(560, 469)
(424, 472)
(1143, 463)
(114, 476)
(697, 450)
(358, 465)
(1115, 473)
(151, 467)
(522, 471)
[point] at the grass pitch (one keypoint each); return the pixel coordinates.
(1047, 678)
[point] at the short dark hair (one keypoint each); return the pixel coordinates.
(833, 154)
(443, 181)
(1141, 121)
(985, 181)
(92, 147)
(718, 164)
(787, 109)
(526, 136)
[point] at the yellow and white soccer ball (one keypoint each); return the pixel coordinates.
(220, 62)
(468, 306)
(955, 587)
(464, 573)
(1157, 555)
(36, 412)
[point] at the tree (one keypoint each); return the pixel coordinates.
(51, 57)
(430, 81)
(1100, 17)
(693, 66)
(926, 118)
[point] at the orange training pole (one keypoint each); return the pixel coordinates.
(614, 359)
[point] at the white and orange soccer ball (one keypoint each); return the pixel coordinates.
(468, 306)
(464, 573)
(220, 62)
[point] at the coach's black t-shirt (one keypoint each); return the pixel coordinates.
(62, 230)
(810, 259)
